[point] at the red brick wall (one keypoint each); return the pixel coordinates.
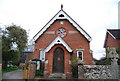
(67, 56)
(32, 69)
(111, 42)
(74, 40)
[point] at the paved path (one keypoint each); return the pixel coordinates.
(18, 74)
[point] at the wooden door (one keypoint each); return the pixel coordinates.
(58, 60)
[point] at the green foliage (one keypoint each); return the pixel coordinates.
(107, 51)
(105, 61)
(26, 65)
(9, 70)
(11, 55)
(74, 61)
(118, 50)
(39, 73)
(14, 40)
(17, 35)
(74, 64)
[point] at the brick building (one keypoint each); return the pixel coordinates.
(112, 38)
(58, 41)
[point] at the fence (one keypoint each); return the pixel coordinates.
(97, 72)
(101, 71)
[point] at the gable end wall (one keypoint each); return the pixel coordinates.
(74, 40)
(111, 42)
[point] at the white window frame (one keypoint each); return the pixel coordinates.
(78, 54)
(42, 51)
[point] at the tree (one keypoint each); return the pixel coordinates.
(74, 64)
(14, 40)
(0, 46)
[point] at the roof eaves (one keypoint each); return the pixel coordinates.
(34, 38)
(105, 39)
(58, 40)
(87, 36)
(78, 26)
(111, 34)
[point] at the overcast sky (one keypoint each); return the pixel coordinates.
(94, 16)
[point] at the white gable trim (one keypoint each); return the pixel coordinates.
(105, 40)
(107, 32)
(66, 16)
(58, 40)
(111, 34)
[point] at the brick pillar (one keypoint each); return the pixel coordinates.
(46, 69)
(32, 69)
(80, 72)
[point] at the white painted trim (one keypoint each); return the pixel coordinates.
(82, 53)
(107, 32)
(50, 32)
(73, 32)
(44, 55)
(80, 49)
(111, 34)
(58, 40)
(66, 16)
(105, 39)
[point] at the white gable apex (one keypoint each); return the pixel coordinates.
(58, 40)
(66, 16)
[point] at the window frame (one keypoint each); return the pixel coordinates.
(78, 54)
(42, 51)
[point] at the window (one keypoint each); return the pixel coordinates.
(61, 15)
(61, 22)
(42, 55)
(80, 55)
(61, 32)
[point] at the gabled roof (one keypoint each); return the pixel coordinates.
(62, 15)
(28, 49)
(115, 33)
(58, 40)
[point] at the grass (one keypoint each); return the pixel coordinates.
(10, 69)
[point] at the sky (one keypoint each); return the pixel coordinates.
(94, 16)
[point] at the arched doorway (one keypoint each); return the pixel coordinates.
(58, 60)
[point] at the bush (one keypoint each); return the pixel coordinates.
(39, 73)
(105, 61)
(11, 66)
(74, 64)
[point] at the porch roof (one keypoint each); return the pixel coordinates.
(58, 40)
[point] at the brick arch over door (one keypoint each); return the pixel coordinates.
(58, 60)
